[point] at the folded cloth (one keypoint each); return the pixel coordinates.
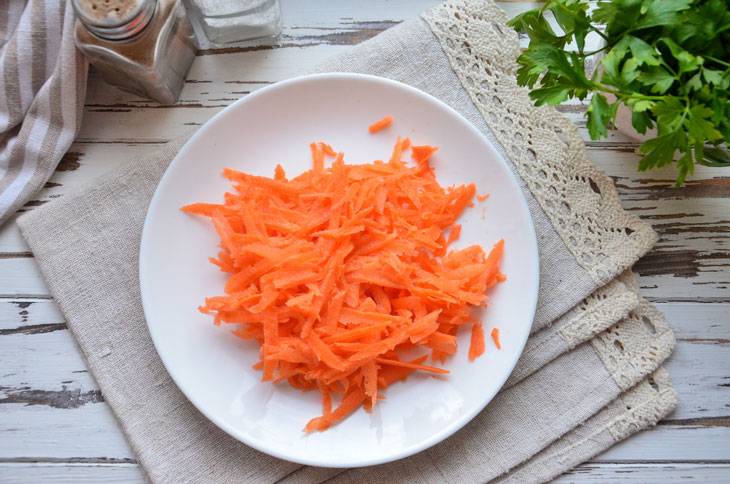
(590, 374)
(42, 89)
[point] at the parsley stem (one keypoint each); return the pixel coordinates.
(633, 95)
(605, 37)
(588, 54)
(726, 64)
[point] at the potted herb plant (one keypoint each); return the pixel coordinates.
(663, 64)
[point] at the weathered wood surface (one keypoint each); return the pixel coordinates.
(54, 423)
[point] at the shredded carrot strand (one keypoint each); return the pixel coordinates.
(411, 365)
(495, 337)
(476, 348)
(378, 125)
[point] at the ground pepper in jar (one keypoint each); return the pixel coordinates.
(142, 46)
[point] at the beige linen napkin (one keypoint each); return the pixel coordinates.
(590, 374)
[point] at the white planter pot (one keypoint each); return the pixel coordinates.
(623, 124)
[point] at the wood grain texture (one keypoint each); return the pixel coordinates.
(589, 473)
(54, 423)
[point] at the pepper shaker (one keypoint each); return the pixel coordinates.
(142, 46)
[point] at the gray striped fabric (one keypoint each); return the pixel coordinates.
(42, 89)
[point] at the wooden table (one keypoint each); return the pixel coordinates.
(54, 423)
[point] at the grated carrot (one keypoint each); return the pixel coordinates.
(495, 337)
(378, 125)
(338, 271)
(476, 348)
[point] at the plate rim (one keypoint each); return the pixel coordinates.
(435, 438)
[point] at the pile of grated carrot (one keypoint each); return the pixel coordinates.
(337, 272)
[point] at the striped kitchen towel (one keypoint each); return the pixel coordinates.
(42, 89)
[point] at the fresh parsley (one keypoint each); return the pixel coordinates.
(667, 60)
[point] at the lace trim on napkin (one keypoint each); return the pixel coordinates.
(546, 149)
(595, 313)
(643, 405)
(636, 345)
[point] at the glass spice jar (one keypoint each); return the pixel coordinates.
(226, 21)
(142, 46)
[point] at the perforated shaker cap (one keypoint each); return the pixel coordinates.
(115, 19)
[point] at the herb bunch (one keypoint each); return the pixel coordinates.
(667, 60)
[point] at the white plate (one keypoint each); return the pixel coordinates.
(276, 125)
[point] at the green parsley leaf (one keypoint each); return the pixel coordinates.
(668, 113)
(715, 77)
(629, 72)
(551, 95)
(685, 165)
(662, 12)
(687, 61)
(640, 105)
(658, 79)
(641, 121)
(610, 63)
(642, 52)
(694, 83)
(599, 113)
(699, 128)
(660, 150)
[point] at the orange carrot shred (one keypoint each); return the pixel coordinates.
(482, 198)
(339, 271)
(378, 125)
(422, 153)
(327, 149)
(495, 337)
(414, 366)
(476, 348)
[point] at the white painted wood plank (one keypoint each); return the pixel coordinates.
(41, 432)
(21, 277)
(10, 239)
(71, 473)
(646, 473)
(16, 314)
(700, 372)
(672, 443)
(44, 362)
(692, 321)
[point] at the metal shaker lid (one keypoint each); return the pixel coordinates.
(115, 19)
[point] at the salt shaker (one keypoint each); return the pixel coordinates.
(142, 46)
(226, 21)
